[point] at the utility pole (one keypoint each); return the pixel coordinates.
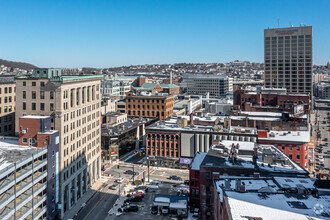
(148, 169)
(133, 174)
(119, 185)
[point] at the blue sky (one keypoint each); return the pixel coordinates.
(79, 33)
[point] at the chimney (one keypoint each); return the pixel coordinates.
(238, 185)
(191, 119)
(255, 155)
(227, 184)
(256, 175)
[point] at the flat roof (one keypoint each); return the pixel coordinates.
(288, 136)
(264, 199)
(11, 152)
(35, 116)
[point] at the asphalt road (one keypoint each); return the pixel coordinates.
(323, 164)
(99, 205)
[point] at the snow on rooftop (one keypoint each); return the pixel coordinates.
(268, 114)
(289, 182)
(271, 204)
(243, 145)
(198, 159)
(34, 116)
(292, 136)
(11, 152)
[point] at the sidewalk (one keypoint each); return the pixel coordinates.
(84, 199)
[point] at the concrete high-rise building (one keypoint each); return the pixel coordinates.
(74, 102)
(288, 54)
(215, 85)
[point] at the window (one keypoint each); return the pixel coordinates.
(51, 107)
(305, 148)
(42, 84)
(290, 155)
(24, 105)
(51, 95)
(42, 95)
(290, 147)
(34, 94)
(34, 84)
(42, 106)
(283, 147)
(298, 156)
(24, 94)
(24, 83)
(34, 106)
(24, 140)
(298, 147)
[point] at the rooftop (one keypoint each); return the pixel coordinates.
(34, 116)
(288, 136)
(124, 127)
(11, 152)
(265, 199)
(220, 156)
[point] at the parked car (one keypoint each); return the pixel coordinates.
(140, 188)
(119, 180)
(113, 187)
(131, 172)
(154, 210)
(136, 193)
(155, 182)
(135, 198)
(186, 182)
(131, 208)
(175, 178)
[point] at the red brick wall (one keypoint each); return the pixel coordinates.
(163, 144)
(294, 152)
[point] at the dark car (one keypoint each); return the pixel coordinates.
(140, 188)
(113, 187)
(135, 198)
(154, 210)
(131, 208)
(186, 182)
(175, 178)
(130, 172)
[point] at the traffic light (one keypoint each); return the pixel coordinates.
(134, 152)
(140, 153)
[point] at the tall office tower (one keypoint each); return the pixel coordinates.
(74, 104)
(288, 55)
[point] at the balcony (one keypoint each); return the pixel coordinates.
(39, 187)
(38, 164)
(7, 184)
(39, 212)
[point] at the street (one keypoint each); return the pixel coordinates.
(100, 204)
(322, 150)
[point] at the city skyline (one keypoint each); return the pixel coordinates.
(113, 33)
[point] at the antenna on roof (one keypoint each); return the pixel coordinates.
(278, 23)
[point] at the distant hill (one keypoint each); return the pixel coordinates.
(21, 65)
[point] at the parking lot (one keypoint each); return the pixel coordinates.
(147, 202)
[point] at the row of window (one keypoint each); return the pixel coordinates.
(7, 90)
(41, 95)
(146, 100)
(7, 99)
(158, 153)
(6, 109)
(290, 147)
(41, 108)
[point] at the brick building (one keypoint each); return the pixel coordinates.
(145, 104)
(293, 143)
(181, 137)
(248, 159)
(271, 100)
(7, 105)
